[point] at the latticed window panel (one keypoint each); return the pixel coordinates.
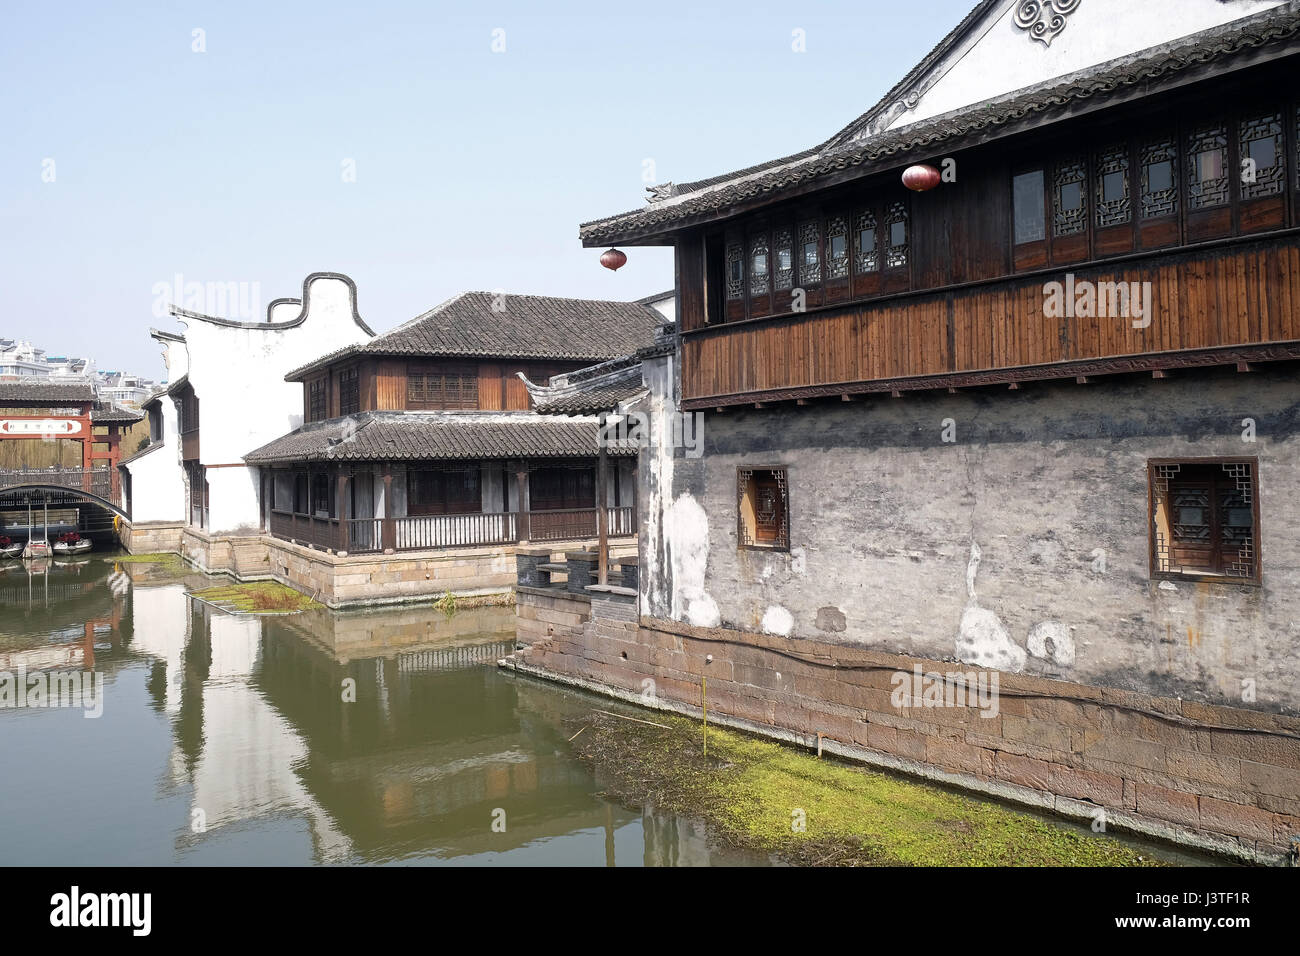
(810, 256)
(762, 501)
(1262, 151)
(316, 394)
(735, 269)
(837, 247)
(1207, 166)
(866, 245)
(896, 238)
(1159, 161)
(784, 264)
(349, 391)
(759, 265)
(1204, 520)
(1113, 205)
(1070, 198)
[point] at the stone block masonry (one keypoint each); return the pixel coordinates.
(1218, 778)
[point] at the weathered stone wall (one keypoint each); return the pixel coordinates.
(151, 537)
(1221, 778)
(1031, 527)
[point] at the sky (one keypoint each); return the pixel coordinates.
(422, 148)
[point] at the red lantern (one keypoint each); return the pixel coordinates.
(921, 177)
(612, 259)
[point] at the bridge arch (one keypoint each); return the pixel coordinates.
(66, 490)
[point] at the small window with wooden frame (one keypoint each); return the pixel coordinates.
(763, 509)
(1205, 519)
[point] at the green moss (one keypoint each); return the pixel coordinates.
(166, 561)
(750, 790)
(257, 597)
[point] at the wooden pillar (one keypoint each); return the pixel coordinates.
(341, 484)
(389, 526)
(602, 509)
(521, 483)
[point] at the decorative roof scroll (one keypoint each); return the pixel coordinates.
(1044, 19)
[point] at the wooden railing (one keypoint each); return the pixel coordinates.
(431, 532)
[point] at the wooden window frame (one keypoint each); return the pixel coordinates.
(421, 398)
(318, 403)
(1153, 558)
(744, 476)
(350, 390)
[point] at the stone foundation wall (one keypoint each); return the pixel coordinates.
(357, 579)
(1216, 777)
(151, 537)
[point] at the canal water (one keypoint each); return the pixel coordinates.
(227, 740)
(383, 736)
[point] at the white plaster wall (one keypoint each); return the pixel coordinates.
(238, 376)
(157, 483)
(1005, 58)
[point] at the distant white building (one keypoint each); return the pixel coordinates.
(20, 359)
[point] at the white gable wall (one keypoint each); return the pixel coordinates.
(244, 402)
(998, 57)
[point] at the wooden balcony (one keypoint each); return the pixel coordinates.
(436, 532)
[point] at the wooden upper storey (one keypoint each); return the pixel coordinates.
(866, 286)
(381, 383)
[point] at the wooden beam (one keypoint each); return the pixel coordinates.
(602, 510)
(1245, 367)
(1014, 386)
(895, 393)
(846, 397)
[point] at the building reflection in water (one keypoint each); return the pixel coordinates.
(390, 732)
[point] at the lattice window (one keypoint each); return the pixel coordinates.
(810, 255)
(784, 264)
(1203, 521)
(896, 241)
(441, 388)
(763, 508)
(317, 395)
(1113, 205)
(837, 247)
(1159, 161)
(735, 269)
(349, 391)
(759, 265)
(1262, 149)
(1069, 198)
(1207, 167)
(866, 243)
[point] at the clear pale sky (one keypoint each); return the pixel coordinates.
(472, 168)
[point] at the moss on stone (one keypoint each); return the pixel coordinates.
(257, 597)
(164, 560)
(754, 792)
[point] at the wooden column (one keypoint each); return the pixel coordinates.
(602, 509)
(521, 482)
(390, 523)
(341, 508)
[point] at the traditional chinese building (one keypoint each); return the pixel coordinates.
(423, 440)
(1035, 420)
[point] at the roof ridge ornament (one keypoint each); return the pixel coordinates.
(1044, 19)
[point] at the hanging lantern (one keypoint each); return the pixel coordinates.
(921, 177)
(612, 259)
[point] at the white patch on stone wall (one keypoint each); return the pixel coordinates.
(1052, 640)
(1167, 586)
(777, 620)
(982, 639)
(686, 527)
(798, 561)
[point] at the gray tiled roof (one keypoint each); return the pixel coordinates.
(412, 436)
(589, 391)
(38, 391)
(713, 198)
(521, 327)
(114, 414)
